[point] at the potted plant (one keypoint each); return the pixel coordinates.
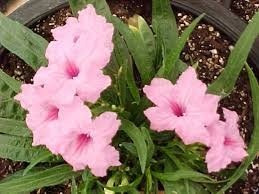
(120, 104)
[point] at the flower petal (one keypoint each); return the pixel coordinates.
(161, 119)
(216, 159)
(160, 92)
(105, 127)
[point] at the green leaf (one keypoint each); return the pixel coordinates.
(183, 174)
(37, 179)
(253, 147)
(74, 189)
(130, 147)
(14, 127)
(8, 107)
(100, 5)
(164, 24)
(129, 187)
(140, 27)
(139, 141)
(140, 55)
(184, 187)
(168, 69)
(41, 157)
(11, 82)
(21, 41)
(19, 148)
(225, 83)
(87, 183)
(150, 144)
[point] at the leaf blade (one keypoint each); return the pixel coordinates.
(14, 127)
(224, 84)
(134, 133)
(21, 41)
(38, 179)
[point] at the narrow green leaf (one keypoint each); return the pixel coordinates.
(14, 127)
(8, 107)
(130, 147)
(139, 141)
(37, 179)
(184, 187)
(168, 69)
(164, 24)
(11, 82)
(129, 187)
(225, 83)
(182, 174)
(87, 184)
(150, 144)
(21, 41)
(141, 57)
(74, 189)
(253, 147)
(100, 5)
(41, 157)
(19, 148)
(132, 84)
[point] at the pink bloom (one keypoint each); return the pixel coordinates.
(90, 34)
(44, 109)
(81, 49)
(86, 142)
(184, 107)
(227, 145)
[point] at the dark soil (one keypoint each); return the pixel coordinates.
(207, 45)
(3, 5)
(245, 8)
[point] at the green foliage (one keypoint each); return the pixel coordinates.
(19, 148)
(140, 55)
(8, 107)
(225, 83)
(139, 141)
(11, 82)
(23, 42)
(14, 127)
(101, 6)
(183, 174)
(36, 179)
(164, 25)
(43, 156)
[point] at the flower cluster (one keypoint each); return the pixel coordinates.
(57, 115)
(188, 110)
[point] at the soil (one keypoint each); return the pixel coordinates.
(3, 5)
(207, 45)
(245, 8)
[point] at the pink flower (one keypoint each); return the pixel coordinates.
(90, 36)
(81, 49)
(86, 142)
(184, 107)
(45, 107)
(227, 145)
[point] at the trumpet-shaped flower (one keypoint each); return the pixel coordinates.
(87, 39)
(227, 145)
(184, 107)
(86, 142)
(81, 49)
(44, 109)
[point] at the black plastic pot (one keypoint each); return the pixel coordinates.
(216, 14)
